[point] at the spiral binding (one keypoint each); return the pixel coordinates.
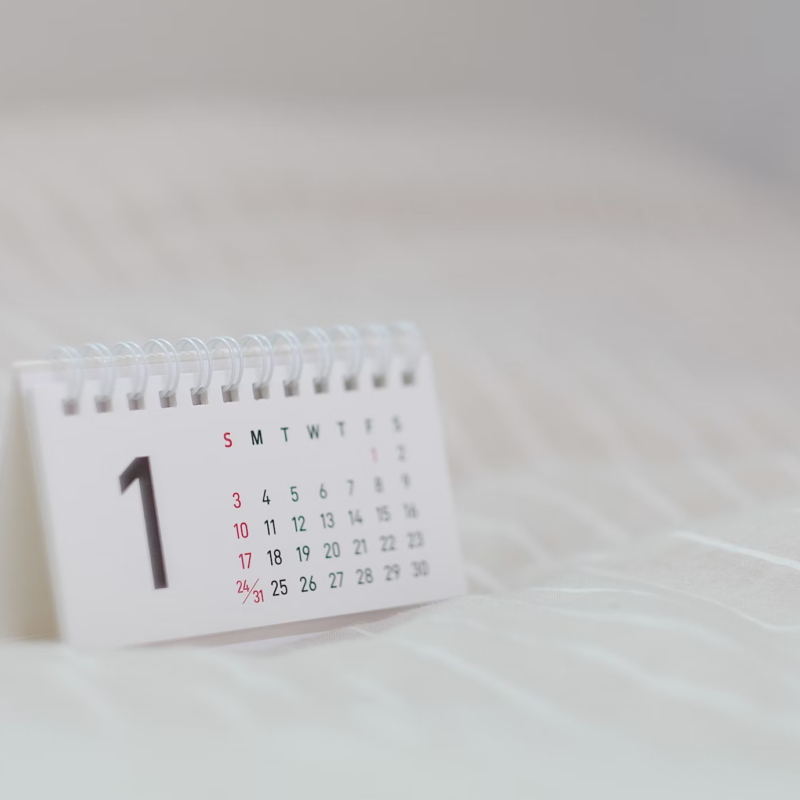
(320, 346)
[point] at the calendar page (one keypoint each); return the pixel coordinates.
(164, 523)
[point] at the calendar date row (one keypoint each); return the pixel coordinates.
(280, 587)
(327, 520)
(323, 492)
(330, 551)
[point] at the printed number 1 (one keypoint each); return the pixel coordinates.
(139, 470)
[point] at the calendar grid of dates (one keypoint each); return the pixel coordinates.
(350, 530)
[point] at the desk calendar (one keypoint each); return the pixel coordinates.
(209, 488)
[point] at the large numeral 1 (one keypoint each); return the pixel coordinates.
(139, 470)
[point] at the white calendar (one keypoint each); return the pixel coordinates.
(204, 488)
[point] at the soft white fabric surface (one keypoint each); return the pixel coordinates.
(616, 332)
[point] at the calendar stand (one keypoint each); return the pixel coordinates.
(26, 597)
(227, 491)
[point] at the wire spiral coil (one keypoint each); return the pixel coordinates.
(321, 347)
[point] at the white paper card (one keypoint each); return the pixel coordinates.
(169, 523)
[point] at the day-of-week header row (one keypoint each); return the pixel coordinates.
(312, 431)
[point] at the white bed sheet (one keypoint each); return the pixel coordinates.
(615, 331)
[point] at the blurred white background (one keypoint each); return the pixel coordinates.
(719, 76)
(568, 198)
